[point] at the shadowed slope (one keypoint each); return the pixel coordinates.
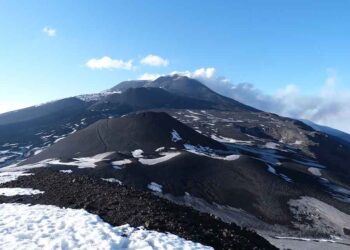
(147, 131)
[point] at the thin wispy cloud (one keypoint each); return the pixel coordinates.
(107, 62)
(154, 60)
(51, 32)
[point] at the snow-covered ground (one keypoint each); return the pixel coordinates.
(19, 191)
(49, 227)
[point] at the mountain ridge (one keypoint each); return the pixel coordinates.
(249, 167)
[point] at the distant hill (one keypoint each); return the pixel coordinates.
(328, 130)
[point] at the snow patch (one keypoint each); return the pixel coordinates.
(15, 167)
(19, 191)
(229, 140)
(166, 156)
(155, 187)
(59, 139)
(159, 149)
(208, 152)
(286, 178)
(304, 239)
(96, 96)
(271, 169)
(271, 145)
(5, 158)
(38, 151)
(175, 137)
(113, 180)
(230, 157)
(68, 171)
(137, 153)
(298, 142)
(194, 118)
(117, 164)
(193, 113)
(49, 227)
(12, 176)
(84, 162)
(315, 171)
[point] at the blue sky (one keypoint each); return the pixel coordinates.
(271, 44)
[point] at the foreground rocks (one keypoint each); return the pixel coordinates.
(119, 205)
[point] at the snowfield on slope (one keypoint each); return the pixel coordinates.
(49, 227)
(208, 152)
(12, 176)
(165, 157)
(82, 162)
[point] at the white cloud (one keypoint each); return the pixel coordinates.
(202, 73)
(51, 32)
(329, 106)
(148, 76)
(109, 63)
(154, 60)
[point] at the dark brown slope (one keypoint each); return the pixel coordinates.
(147, 131)
(134, 99)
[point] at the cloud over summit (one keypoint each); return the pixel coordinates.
(154, 60)
(329, 106)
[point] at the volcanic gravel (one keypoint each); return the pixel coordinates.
(120, 205)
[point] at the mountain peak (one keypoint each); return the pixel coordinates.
(184, 86)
